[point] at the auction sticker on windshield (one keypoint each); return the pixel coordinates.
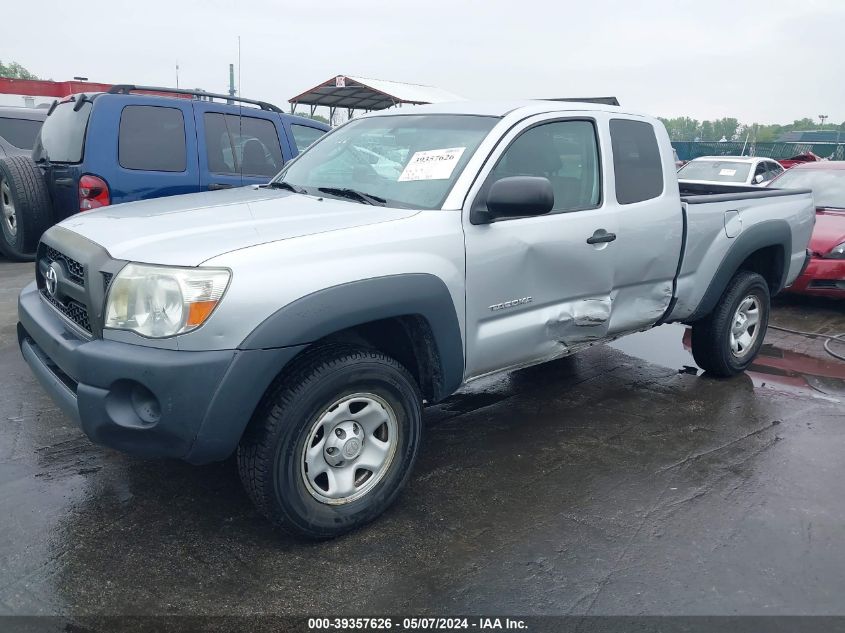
(728, 172)
(432, 164)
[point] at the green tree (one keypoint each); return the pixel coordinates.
(313, 117)
(726, 127)
(13, 70)
(681, 128)
(686, 129)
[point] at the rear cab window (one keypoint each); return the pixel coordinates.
(19, 132)
(636, 161)
(152, 138)
(303, 136)
(62, 136)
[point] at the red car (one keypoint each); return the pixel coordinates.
(825, 274)
(806, 157)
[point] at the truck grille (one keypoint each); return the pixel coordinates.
(73, 275)
(75, 271)
(71, 309)
(66, 301)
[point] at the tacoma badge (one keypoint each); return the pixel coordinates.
(511, 304)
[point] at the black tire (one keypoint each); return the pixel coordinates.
(711, 336)
(271, 453)
(23, 184)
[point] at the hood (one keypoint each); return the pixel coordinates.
(828, 232)
(188, 230)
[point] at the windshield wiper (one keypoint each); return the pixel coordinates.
(281, 184)
(353, 194)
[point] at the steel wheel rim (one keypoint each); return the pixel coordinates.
(334, 468)
(10, 218)
(745, 326)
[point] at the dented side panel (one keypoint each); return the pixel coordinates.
(650, 238)
(535, 288)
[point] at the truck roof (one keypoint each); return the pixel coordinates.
(498, 108)
(735, 159)
(20, 112)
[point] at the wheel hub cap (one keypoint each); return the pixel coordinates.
(344, 443)
(10, 219)
(745, 326)
(349, 448)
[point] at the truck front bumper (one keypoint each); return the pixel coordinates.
(142, 400)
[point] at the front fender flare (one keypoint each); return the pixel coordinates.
(340, 307)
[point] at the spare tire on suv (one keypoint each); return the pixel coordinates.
(25, 209)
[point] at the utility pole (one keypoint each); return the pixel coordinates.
(177, 74)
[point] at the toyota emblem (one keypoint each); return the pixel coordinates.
(51, 281)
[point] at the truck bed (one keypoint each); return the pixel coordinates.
(721, 223)
(692, 192)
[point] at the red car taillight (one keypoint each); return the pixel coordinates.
(93, 193)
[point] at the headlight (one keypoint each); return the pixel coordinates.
(837, 252)
(157, 301)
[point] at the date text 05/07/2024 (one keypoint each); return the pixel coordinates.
(417, 624)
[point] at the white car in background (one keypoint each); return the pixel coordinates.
(740, 170)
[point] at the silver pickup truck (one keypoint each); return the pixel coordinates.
(304, 323)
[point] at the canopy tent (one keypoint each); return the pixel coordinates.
(361, 93)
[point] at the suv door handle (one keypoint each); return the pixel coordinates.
(217, 186)
(601, 236)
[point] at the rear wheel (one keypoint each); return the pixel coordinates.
(25, 209)
(333, 443)
(727, 341)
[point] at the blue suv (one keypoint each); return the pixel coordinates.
(139, 142)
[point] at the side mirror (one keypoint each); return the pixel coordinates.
(517, 196)
(758, 179)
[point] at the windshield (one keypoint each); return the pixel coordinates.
(62, 137)
(409, 161)
(828, 185)
(715, 171)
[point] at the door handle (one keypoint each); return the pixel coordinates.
(217, 186)
(601, 236)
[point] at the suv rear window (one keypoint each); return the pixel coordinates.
(62, 137)
(636, 161)
(247, 144)
(303, 136)
(19, 132)
(152, 138)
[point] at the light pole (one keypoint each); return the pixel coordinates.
(823, 118)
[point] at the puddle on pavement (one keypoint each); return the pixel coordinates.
(774, 368)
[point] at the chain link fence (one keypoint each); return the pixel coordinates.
(687, 150)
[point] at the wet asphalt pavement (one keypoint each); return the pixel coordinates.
(606, 483)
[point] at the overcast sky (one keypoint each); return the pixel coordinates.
(762, 62)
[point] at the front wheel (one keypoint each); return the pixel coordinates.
(333, 443)
(726, 341)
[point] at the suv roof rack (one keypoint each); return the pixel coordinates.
(125, 89)
(605, 100)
